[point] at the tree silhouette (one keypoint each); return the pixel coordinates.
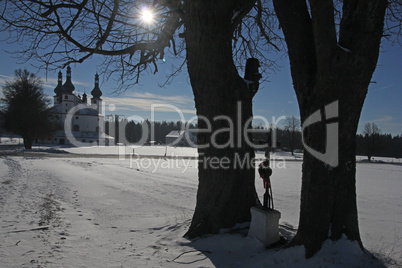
(333, 50)
(215, 36)
(292, 128)
(371, 134)
(26, 108)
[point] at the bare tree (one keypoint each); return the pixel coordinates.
(292, 128)
(371, 134)
(216, 37)
(333, 49)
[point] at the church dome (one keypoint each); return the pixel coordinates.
(68, 86)
(96, 92)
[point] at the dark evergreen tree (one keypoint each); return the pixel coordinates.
(26, 110)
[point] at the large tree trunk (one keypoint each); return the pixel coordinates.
(328, 199)
(324, 71)
(28, 140)
(226, 188)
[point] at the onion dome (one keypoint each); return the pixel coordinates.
(96, 92)
(59, 89)
(68, 86)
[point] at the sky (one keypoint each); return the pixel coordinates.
(275, 98)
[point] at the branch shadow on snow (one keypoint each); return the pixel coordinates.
(233, 248)
(230, 248)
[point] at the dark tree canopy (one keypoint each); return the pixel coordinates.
(26, 107)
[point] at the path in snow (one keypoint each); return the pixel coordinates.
(120, 213)
(27, 200)
(112, 214)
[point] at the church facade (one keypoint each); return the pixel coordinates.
(79, 121)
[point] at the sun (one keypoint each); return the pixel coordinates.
(147, 16)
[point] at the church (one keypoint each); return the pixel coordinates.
(79, 122)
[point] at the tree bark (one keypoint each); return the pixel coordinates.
(326, 70)
(226, 190)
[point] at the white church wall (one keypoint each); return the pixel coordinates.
(89, 123)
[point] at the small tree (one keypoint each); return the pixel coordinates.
(371, 134)
(26, 112)
(292, 128)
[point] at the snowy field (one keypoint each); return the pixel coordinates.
(15, 145)
(132, 212)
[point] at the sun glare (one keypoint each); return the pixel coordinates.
(147, 16)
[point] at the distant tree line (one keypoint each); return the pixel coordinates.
(372, 143)
(288, 138)
(133, 130)
(385, 146)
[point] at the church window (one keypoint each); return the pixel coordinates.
(66, 97)
(76, 117)
(97, 129)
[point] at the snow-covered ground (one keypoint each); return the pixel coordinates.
(133, 212)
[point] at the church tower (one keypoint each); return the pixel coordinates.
(67, 96)
(68, 86)
(85, 98)
(96, 101)
(59, 89)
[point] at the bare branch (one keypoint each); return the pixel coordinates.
(173, 74)
(60, 33)
(393, 22)
(263, 27)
